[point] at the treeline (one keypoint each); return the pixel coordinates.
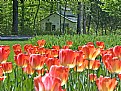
(23, 17)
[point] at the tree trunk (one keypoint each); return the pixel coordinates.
(15, 17)
(64, 18)
(60, 15)
(79, 18)
(22, 18)
(35, 18)
(84, 19)
(89, 19)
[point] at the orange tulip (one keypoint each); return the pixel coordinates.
(17, 47)
(65, 47)
(27, 47)
(37, 61)
(60, 72)
(22, 60)
(7, 67)
(94, 64)
(41, 50)
(111, 64)
(1, 71)
(67, 57)
(79, 48)
(92, 77)
(1, 74)
(119, 76)
(117, 51)
(47, 83)
(79, 58)
(52, 61)
(100, 44)
(41, 72)
(90, 52)
(106, 83)
(28, 69)
(69, 43)
(54, 52)
(41, 43)
(4, 53)
(56, 47)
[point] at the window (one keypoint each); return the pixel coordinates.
(48, 26)
(53, 27)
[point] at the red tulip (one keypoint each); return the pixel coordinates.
(1, 74)
(65, 47)
(56, 47)
(112, 65)
(79, 58)
(41, 43)
(7, 67)
(4, 53)
(106, 83)
(41, 72)
(69, 43)
(100, 44)
(52, 61)
(28, 69)
(37, 61)
(22, 60)
(27, 47)
(47, 83)
(41, 50)
(67, 57)
(92, 77)
(94, 64)
(119, 76)
(117, 51)
(90, 52)
(54, 52)
(60, 72)
(17, 47)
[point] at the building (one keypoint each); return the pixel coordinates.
(52, 22)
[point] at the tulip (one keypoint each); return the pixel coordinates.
(17, 47)
(52, 61)
(117, 51)
(60, 72)
(69, 43)
(67, 57)
(27, 47)
(1, 74)
(100, 44)
(7, 67)
(106, 83)
(37, 61)
(65, 47)
(28, 69)
(56, 47)
(112, 65)
(41, 50)
(90, 52)
(4, 53)
(47, 83)
(41, 43)
(22, 60)
(92, 77)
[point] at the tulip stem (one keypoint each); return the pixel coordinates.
(21, 80)
(8, 81)
(88, 80)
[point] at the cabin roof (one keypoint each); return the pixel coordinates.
(71, 18)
